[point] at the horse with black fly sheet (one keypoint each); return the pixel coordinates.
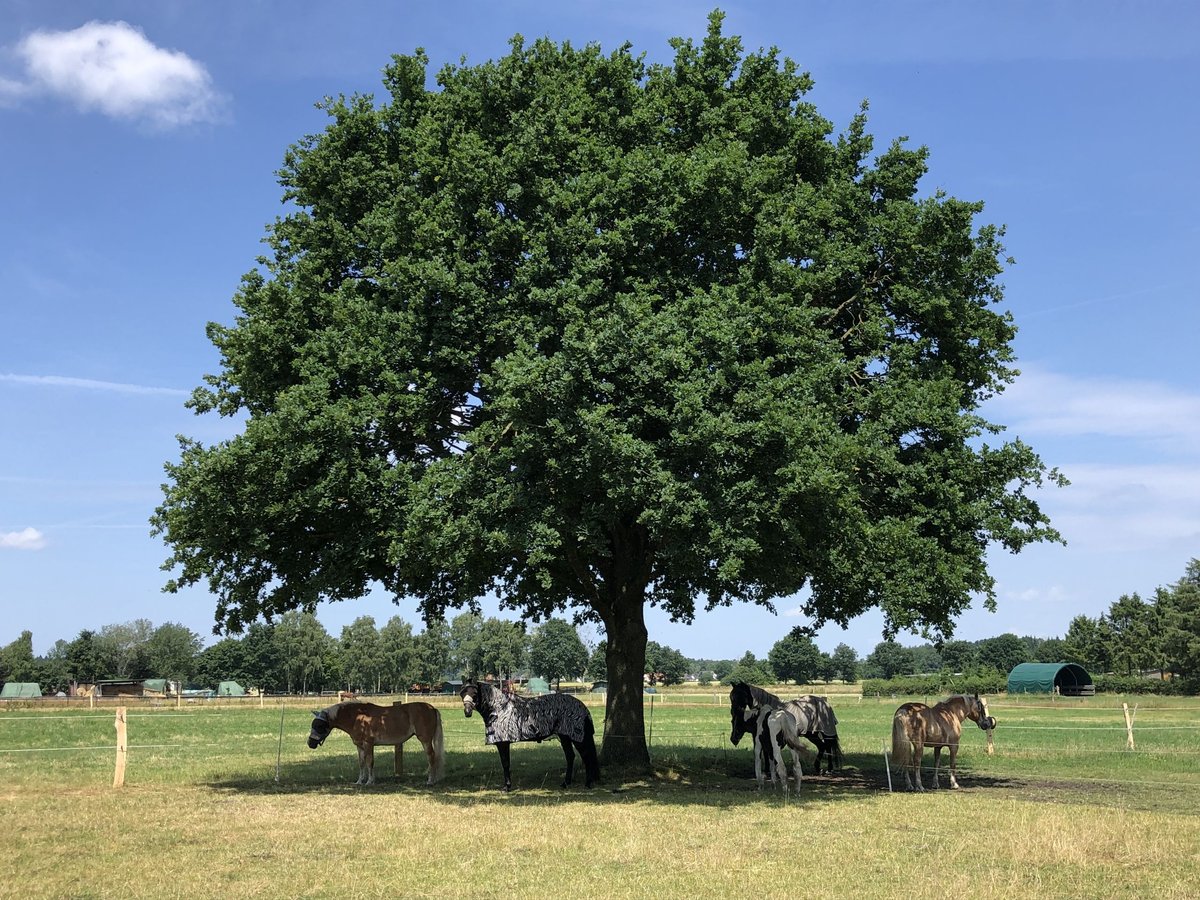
(916, 725)
(369, 724)
(508, 719)
(811, 717)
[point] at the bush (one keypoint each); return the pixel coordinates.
(945, 683)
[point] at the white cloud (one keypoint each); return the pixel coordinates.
(26, 539)
(91, 385)
(1047, 403)
(112, 68)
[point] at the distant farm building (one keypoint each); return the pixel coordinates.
(230, 689)
(125, 687)
(1065, 679)
(20, 690)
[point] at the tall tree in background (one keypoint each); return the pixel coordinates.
(1002, 652)
(466, 651)
(589, 333)
(362, 656)
(431, 657)
(399, 653)
(120, 648)
(556, 651)
(16, 659)
(503, 646)
(1136, 642)
(667, 662)
(1181, 624)
(795, 657)
(83, 658)
(170, 652)
(845, 663)
(959, 656)
(303, 643)
(888, 659)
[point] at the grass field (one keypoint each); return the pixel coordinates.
(215, 806)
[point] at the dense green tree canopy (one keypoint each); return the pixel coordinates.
(795, 657)
(556, 651)
(845, 663)
(585, 332)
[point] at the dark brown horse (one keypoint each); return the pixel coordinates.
(369, 724)
(915, 726)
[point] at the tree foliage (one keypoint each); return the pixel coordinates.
(589, 333)
(557, 651)
(796, 657)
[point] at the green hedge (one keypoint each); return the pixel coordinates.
(940, 683)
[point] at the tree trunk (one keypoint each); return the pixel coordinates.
(624, 723)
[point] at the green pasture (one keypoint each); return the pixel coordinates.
(216, 805)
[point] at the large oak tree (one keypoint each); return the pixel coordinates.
(589, 334)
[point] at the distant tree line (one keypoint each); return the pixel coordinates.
(297, 655)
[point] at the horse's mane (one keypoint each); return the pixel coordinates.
(763, 697)
(491, 696)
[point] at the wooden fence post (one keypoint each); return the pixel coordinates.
(122, 748)
(1128, 726)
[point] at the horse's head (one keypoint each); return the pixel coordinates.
(740, 701)
(470, 697)
(977, 712)
(321, 726)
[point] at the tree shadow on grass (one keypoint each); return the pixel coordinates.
(679, 775)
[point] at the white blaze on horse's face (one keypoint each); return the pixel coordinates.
(468, 705)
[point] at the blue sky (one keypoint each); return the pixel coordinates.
(138, 143)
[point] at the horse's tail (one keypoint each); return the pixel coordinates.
(439, 748)
(902, 745)
(835, 751)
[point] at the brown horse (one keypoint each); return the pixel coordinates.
(916, 725)
(369, 724)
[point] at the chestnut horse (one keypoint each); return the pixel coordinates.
(369, 724)
(916, 725)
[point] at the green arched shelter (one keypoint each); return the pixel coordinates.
(1067, 679)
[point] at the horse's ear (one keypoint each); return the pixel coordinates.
(316, 714)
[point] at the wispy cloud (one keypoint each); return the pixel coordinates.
(25, 539)
(89, 384)
(112, 68)
(1050, 404)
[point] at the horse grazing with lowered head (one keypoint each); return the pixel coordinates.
(369, 725)
(916, 726)
(773, 730)
(508, 719)
(815, 720)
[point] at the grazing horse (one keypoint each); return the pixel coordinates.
(508, 719)
(916, 725)
(820, 725)
(369, 724)
(774, 729)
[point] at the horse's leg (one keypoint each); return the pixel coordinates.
(569, 753)
(502, 749)
(369, 763)
(796, 767)
(937, 764)
(918, 752)
(953, 766)
(362, 763)
(400, 759)
(431, 755)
